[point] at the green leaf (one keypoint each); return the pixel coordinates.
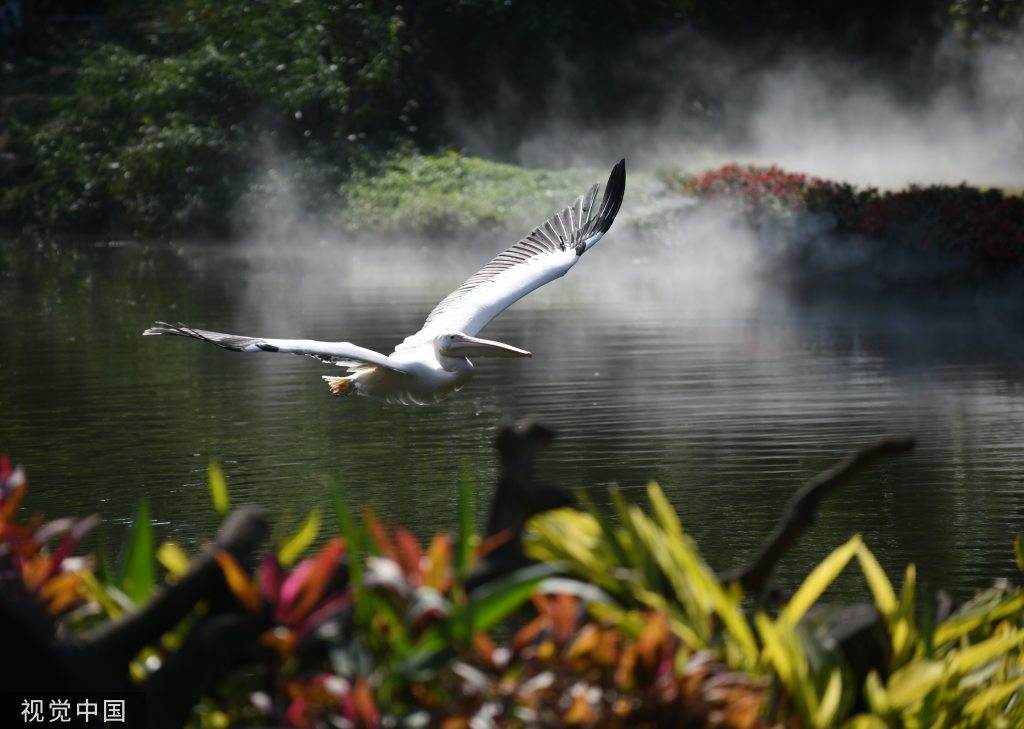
(639, 555)
(820, 579)
(1018, 552)
(218, 488)
(138, 569)
(299, 541)
(496, 600)
(467, 530)
(353, 538)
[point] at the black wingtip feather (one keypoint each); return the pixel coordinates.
(614, 191)
(233, 342)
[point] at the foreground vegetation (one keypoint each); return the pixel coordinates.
(620, 623)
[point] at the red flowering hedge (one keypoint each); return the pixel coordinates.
(986, 226)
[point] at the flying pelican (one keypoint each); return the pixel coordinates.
(433, 363)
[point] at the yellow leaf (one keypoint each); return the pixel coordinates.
(866, 721)
(992, 698)
(825, 717)
(302, 538)
(907, 607)
(173, 558)
(914, 681)
(985, 651)
(95, 589)
(664, 514)
(877, 696)
(961, 624)
(818, 581)
(774, 650)
(881, 587)
(218, 488)
(580, 712)
(900, 637)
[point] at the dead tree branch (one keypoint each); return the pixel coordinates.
(802, 509)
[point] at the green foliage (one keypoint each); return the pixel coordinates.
(374, 627)
(451, 193)
(138, 567)
(969, 672)
(979, 21)
(466, 530)
(169, 139)
(647, 561)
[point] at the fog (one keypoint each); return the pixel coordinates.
(962, 121)
(948, 117)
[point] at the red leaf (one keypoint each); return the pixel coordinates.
(313, 587)
(366, 707)
(409, 554)
(380, 535)
(271, 577)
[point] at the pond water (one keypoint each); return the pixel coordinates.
(655, 358)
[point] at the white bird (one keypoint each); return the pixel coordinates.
(434, 362)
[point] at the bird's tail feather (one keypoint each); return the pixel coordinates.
(339, 385)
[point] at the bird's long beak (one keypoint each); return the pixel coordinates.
(463, 345)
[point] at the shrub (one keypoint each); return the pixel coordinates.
(165, 140)
(450, 193)
(984, 227)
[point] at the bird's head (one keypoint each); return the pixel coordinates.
(457, 344)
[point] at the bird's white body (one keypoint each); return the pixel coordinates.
(433, 363)
(426, 377)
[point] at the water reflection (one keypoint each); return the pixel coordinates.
(653, 362)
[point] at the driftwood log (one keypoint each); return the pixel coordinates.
(98, 662)
(802, 510)
(518, 496)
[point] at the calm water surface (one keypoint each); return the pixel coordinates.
(653, 359)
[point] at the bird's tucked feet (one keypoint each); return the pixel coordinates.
(339, 385)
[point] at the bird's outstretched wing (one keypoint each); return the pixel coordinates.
(344, 354)
(547, 253)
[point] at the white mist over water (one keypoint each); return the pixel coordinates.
(806, 113)
(811, 119)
